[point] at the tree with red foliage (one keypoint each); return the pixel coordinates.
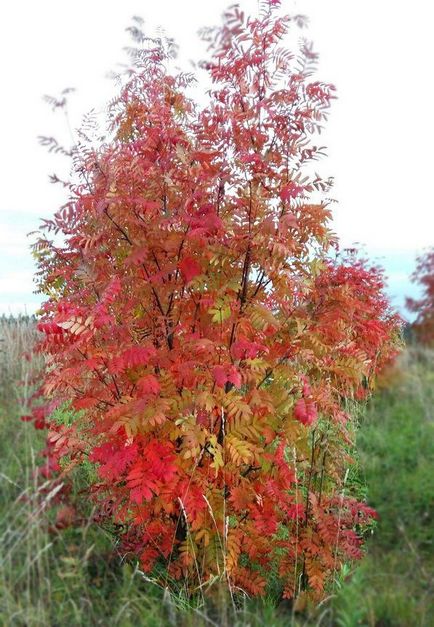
(203, 324)
(423, 307)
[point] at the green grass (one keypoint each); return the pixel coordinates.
(394, 585)
(74, 577)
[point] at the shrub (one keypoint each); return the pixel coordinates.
(423, 307)
(203, 327)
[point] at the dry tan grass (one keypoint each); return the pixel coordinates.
(17, 339)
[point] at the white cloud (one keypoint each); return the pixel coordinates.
(379, 137)
(17, 282)
(14, 241)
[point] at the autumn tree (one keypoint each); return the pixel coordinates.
(423, 307)
(203, 325)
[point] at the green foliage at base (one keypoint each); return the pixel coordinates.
(394, 585)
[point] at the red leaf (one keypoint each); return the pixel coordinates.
(113, 458)
(131, 357)
(84, 403)
(223, 375)
(241, 497)
(291, 190)
(243, 349)
(305, 411)
(219, 374)
(151, 472)
(234, 377)
(288, 221)
(189, 269)
(148, 385)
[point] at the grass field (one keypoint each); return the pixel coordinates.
(75, 577)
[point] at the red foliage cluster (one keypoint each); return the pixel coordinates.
(423, 307)
(198, 320)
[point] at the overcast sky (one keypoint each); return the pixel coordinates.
(380, 137)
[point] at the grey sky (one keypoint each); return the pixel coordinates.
(379, 138)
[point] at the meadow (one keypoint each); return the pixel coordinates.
(75, 576)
